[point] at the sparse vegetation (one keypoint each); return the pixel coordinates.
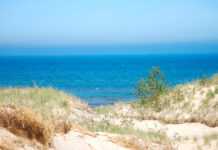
(209, 138)
(210, 94)
(178, 95)
(204, 81)
(216, 90)
(104, 109)
(105, 126)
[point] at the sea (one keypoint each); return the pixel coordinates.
(102, 79)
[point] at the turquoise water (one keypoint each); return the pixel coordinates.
(101, 79)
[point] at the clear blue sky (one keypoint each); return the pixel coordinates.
(84, 22)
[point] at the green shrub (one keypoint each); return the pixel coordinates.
(149, 89)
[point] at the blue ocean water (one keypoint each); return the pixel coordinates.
(101, 79)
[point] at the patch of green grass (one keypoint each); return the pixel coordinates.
(41, 100)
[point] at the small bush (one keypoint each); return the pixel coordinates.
(149, 89)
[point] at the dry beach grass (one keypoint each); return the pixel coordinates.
(23, 122)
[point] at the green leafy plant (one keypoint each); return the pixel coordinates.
(149, 89)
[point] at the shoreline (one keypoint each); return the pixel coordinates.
(113, 78)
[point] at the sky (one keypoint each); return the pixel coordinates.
(107, 22)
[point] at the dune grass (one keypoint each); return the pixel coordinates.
(23, 122)
(104, 126)
(35, 113)
(45, 101)
(128, 136)
(208, 81)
